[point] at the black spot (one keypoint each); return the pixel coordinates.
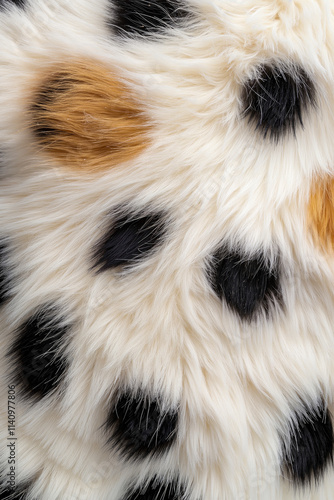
(7, 3)
(4, 274)
(247, 285)
(276, 99)
(157, 490)
(18, 492)
(311, 446)
(128, 240)
(40, 365)
(139, 426)
(146, 17)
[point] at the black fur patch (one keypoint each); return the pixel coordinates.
(128, 240)
(247, 285)
(4, 285)
(19, 492)
(157, 490)
(311, 446)
(276, 99)
(138, 426)
(7, 3)
(39, 364)
(146, 17)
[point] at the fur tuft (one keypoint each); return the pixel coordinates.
(276, 99)
(321, 212)
(311, 446)
(145, 17)
(86, 118)
(139, 426)
(36, 352)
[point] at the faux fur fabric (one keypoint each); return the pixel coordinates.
(166, 249)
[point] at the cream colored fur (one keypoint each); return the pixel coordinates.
(161, 327)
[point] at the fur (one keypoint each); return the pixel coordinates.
(36, 352)
(84, 117)
(20, 494)
(186, 150)
(7, 3)
(156, 489)
(3, 273)
(311, 446)
(321, 212)
(128, 239)
(276, 98)
(247, 285)
(145, 17)
(139, 427)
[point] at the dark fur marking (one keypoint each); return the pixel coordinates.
(146, 17)
(128, 240)
(276, 99)
(247, 285)
(311, 446)
(39, 365)
(7, 3)
(138, 427)
(19, 492)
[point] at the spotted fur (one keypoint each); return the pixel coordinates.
(276, 99)
(36, 352)
(146, 18)
(85, 117)
(166, 263)
(139, 426)
(321, 212)
(310, 449)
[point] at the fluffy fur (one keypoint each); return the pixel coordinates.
(276, 98)
(138, 426)
(3, 273)
(144, 17)
(36, 352)
(310, 448)
(321, 212)
(8, 3)
(156, 489)
(129, 238)
(248, 285)
(186, 150)
(84, 116)
(20, 493)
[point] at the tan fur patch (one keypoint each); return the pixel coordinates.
(321, 212)
(86, 117)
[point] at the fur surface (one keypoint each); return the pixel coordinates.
(275, 99)
(128, 239)
(85, 117)
(145, 17)
(36, 353)
(321, 212)
(3, 273)
(184, 149)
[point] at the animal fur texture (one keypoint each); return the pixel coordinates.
(166, 249)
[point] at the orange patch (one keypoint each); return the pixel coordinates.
(87, 118)
(321, 212)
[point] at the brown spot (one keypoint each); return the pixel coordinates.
(86, 117)
(321, 212)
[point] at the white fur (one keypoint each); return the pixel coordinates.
(161, 327)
